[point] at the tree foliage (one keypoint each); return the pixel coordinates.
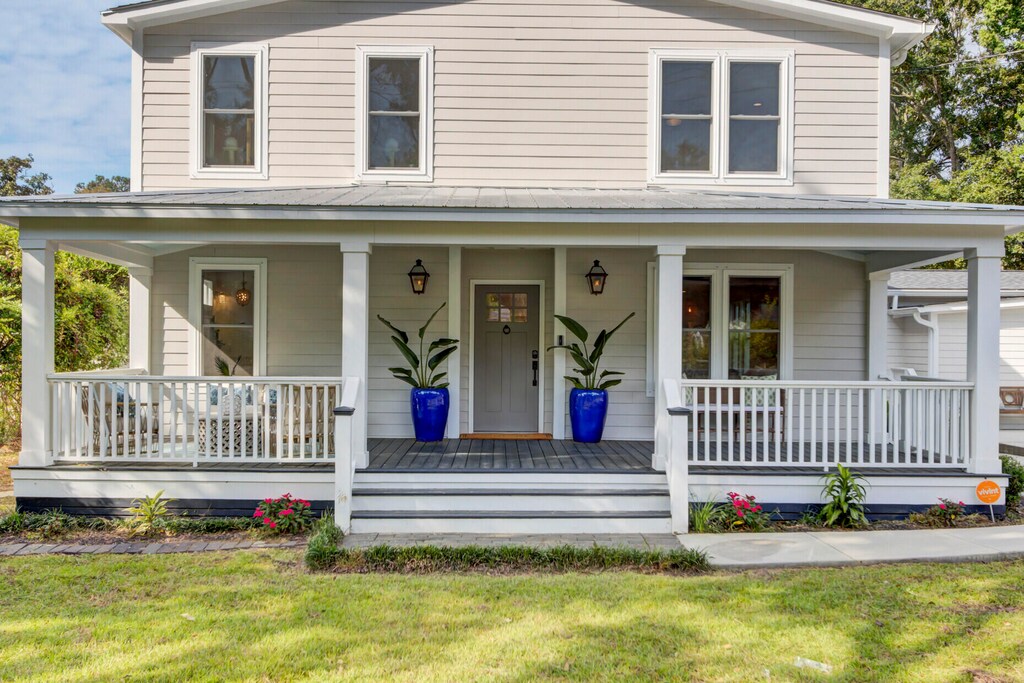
(99, 184)
(90, 302)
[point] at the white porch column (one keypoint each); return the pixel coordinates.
(558, 385)
(668, 353)
(878, 326)
(37, 350)
(983, 274)
(455, 332)
(140, 281)
(355, 312)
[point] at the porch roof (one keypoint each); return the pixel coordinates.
(391, 202)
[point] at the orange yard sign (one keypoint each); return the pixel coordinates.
(988, 492)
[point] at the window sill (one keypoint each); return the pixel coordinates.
(748, 180)
(228, 174)
(371, 177)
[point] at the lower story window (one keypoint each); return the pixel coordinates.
(754, 327)
(227, 313)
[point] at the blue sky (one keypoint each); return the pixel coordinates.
(65, 83)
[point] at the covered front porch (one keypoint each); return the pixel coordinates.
(767, 330)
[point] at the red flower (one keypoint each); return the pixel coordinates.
(258, 513)
(942, 506)
(740, 513)
(285, 513)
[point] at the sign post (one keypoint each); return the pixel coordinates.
(988, 493)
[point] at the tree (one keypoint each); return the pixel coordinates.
(117, 183)
(14, 182)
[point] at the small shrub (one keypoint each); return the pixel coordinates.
(745, 513)
(208, 525)
(322, 552)
(148, 514)
(428, 558)
(51, 523)
(1014, 489)
(845, 496)
(13, 523)
(284, 515)
(946, 513)
(706, 516)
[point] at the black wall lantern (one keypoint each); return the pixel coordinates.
(418, 277)
(596, 278)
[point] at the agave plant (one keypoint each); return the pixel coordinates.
(420, 373)
(588, 360)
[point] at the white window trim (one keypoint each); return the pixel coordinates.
(260, 53)
(425, 172)
(258, 268)
(719, 174)
(720, 274)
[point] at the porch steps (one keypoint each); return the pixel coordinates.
(507, 503)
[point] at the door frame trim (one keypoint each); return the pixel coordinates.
(473, 284)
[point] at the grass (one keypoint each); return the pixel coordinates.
(8, 457)
(257, 616)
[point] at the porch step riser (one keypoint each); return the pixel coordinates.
(533, 526)
(506, 480)
(512, 503)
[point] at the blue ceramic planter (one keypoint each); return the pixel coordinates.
(429, 413)
(588, 409)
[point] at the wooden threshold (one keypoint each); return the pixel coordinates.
(506, 436)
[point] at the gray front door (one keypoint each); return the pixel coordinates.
(506, 358)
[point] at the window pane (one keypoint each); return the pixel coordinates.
(696, 303)
(697, 355)
(394, 84)
(754, 88)
(233, 345)
(228, 82)
(754, 303)
(685, 145)
(753, 146)
(686, 88)
(229, 140)
(227, 323)
(394, 141)
(754, 355)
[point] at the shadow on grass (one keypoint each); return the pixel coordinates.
(258, 616)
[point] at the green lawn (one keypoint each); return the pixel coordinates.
(258, 616)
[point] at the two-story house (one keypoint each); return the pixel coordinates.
(725, 162)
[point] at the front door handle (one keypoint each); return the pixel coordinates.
(535, 364)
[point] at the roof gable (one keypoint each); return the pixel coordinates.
(903, 33)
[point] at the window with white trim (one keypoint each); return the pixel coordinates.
(393, 117)
(229, 117)
(737, 321)
(720, 117)
(227, 311)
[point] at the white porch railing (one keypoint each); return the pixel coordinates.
(818, 424)
(129, 416)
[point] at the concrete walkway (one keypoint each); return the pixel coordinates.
(749, 551)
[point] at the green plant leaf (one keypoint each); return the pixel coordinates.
(413, 359)
(442, 342)
(400, 371)
(423, 330)
(399, 333)
(610, 383)
(439, 357)
(573, 327)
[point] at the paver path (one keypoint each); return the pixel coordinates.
(138, 547)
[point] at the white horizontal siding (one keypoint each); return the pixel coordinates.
(526, 92)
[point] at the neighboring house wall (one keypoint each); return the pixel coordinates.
(561, 99)
(910, 344)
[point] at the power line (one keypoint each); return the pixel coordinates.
(958, 62)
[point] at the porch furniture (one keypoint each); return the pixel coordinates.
(230, 433)
(114, 418)
(736, 408)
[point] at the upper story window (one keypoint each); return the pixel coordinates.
(229, 117)
(393, 113)
(720, 117)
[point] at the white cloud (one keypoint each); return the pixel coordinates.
(65, 81)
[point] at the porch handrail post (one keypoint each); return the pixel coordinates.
(345, 446)
(983, 325)
(37, 311)
(355, 329)
(878, 352)
(669, 340)
(678, 465)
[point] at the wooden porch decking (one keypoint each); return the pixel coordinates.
(494, 455)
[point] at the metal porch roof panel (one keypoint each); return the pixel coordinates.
(951, 280)
(411, 196)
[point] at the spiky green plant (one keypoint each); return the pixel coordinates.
(148, 513)
(706, 516)
(588, 360)
(420, 373)
(845, 495)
